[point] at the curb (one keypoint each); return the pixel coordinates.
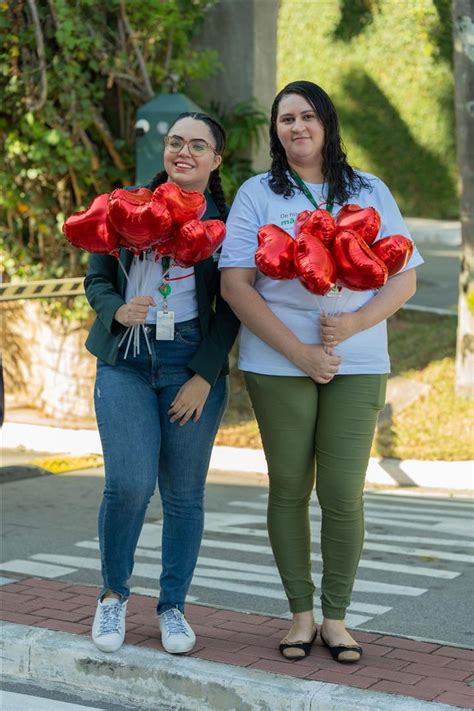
(440, 232)
(148, 677)
(404, 473)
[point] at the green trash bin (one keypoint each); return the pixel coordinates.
(153, 120)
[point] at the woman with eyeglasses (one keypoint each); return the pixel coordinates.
(158, 413)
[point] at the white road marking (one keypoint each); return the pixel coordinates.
(154, 592)
(213, 583)
(446, 527)
(372, 564)
(411, 499)
(271, 577)
(266, 550)
(151, 592)
(408, 513)
(79, 561)
(28, 567)
(422, 552)
(399, 550)
(465, 512)
(454, 527)
(452, 542)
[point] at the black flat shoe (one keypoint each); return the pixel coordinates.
(338, 649)
(305, 647)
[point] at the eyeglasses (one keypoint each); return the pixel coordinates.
(196, 146)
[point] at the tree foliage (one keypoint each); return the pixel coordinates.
(72, 74)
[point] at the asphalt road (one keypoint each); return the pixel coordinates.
(415, 578)
(28, 696)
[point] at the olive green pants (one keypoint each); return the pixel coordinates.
(304, 424)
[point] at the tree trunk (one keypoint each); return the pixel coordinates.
(463, 29)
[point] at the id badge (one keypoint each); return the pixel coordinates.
(165, 325)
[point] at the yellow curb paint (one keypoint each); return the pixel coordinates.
(69, 463)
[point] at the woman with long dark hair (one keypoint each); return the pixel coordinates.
(316, 381)
(158, 412)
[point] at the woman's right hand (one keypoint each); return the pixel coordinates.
(321, 365)
(134, 312)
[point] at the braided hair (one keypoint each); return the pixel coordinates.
(341, 179)
(215, 185)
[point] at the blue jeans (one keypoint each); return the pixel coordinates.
(142, 447)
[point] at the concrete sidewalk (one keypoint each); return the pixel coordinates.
(235, 664)
(23, 441)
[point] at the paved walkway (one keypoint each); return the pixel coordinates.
(394, 665)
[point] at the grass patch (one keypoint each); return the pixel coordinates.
(437, 426)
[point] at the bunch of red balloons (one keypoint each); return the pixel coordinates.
(328, 252)
(166, 220)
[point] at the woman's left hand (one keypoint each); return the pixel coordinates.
(335, 329)
(190, 400)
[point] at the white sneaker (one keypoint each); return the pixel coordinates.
(108, 630)
(177, 635)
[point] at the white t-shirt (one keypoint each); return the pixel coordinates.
(255, 205)
(145, 278)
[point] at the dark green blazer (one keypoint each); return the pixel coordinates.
(105, 286)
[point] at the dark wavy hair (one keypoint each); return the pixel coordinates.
(342, 181)
(215, 186)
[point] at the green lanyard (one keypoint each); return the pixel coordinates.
(304, 189)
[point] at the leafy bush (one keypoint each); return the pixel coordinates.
(72, 74)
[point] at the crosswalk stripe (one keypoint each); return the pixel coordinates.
(152, 571)
(439, 513)
(153, 592)
(450, 528)
(452, 542)
(253, 548)
(422, 552)
(28, 567)
(410, 500)
(417, 514)
(351, 619)
(369, 545)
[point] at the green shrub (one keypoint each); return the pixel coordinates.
(71, 80)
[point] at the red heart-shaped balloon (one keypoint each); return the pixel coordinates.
(301, 218)
(183, 206)
(364, 220)
(91, 229)
(358, 268)
(394, 251)
(276, 253)
(195, 241)
(319, 223)
(140, 221)
(164, 248)
(314, 264)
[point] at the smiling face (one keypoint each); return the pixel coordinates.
(188, 171)
(301, 134)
